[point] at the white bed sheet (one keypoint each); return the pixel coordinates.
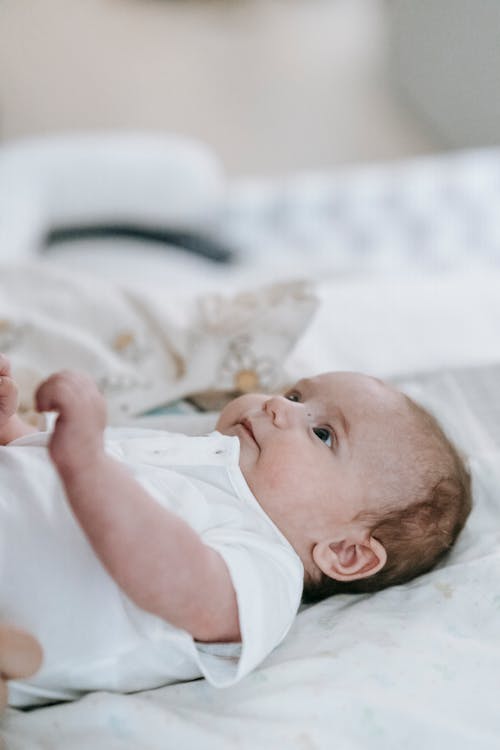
(415, 666)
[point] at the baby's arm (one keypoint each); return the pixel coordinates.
(153, 555)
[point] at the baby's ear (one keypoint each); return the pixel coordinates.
(351, 558)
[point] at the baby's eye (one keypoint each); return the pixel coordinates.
(292, 396)
(324, 434)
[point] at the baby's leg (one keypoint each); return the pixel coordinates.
(11, 425)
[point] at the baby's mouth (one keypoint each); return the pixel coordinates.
(245, 423)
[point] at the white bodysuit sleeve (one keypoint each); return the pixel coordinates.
(268, 580)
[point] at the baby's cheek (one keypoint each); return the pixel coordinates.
(282, 474)
(265, 476)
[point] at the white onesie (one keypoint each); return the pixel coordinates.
(94, 638)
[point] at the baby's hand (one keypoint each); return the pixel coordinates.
(8, 391)
(20, 656)
(77, 440)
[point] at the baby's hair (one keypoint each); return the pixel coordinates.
(417, 536)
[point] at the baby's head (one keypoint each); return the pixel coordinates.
(362, 481)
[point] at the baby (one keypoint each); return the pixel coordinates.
(146, 557)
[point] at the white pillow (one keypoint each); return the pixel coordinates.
(145, 179)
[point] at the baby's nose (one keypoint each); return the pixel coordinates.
(283, 412)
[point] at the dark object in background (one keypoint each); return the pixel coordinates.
(199, 244)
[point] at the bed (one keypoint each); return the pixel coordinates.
(389, 269)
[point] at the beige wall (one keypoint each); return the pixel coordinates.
(446, 57)
(272, 85)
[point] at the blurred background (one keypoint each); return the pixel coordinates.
(273, 86)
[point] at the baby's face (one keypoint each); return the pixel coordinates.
(320, 453)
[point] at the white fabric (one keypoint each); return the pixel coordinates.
(389, 327)
(93, 636)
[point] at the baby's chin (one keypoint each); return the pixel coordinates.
(231, 431)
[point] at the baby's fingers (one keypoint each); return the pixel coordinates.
(4, 365)
(70, 393)
(8, 396)
(20, 654)
(47, 395)
(58, 393)
(8, 389)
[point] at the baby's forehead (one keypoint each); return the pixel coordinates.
(343, 380)
(356, 390)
